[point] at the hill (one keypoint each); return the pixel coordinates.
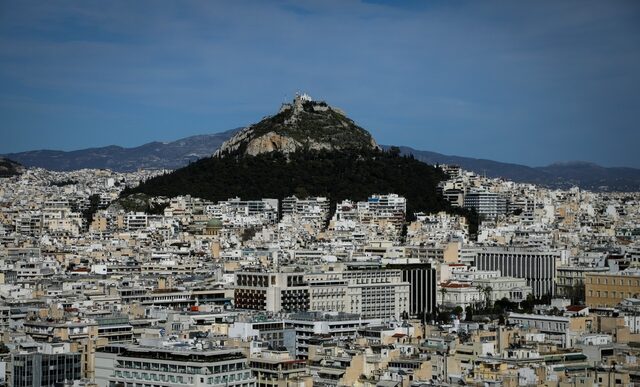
(302, 125)
(307, 149)
(9, 168)
(153, 155)
(335, 174)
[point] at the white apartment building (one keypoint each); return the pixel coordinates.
(313, 209)
(370, 292)
(167, 366)
(487, 204)
(271, 291)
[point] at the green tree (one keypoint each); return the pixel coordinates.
(443, 292)
(469, 313)
(94, 202)
(487, 296)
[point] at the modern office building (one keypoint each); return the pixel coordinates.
(271, 291)
(152, 366)
(487, 204)
(306, 325)
(537, 267)
(43, 364)
(422, 280)
(375, 292)
(82, 335)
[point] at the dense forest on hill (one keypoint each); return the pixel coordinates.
(9, 168)
(337, 175)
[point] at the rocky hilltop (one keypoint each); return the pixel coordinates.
(302, 125)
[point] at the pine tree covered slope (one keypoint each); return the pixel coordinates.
(337, 175)
(9, 168)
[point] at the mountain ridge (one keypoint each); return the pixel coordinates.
(151, 155)
(584, 174)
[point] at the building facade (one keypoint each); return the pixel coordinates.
(537, 267)
(610, 289)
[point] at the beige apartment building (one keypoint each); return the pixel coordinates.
(609, 289)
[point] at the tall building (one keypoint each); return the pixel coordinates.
(375, 292)
(271, 291)
(487, 204)
(328, 292)
(391, 208)
(43, 364)
(537, 267)
(363, 288)
(166, 366)
(309, 209)
(422, 280)
(83, 337)
(303, 327)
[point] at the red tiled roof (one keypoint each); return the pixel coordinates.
(455, 285)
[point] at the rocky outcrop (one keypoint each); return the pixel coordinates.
(271, 142)
(302, 125)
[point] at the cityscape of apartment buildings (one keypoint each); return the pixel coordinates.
(305, 292)
(177, 210)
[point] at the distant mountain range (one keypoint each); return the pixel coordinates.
(559, 175)
(176, 154)
(153, 155)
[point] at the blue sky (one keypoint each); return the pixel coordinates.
(517, 81)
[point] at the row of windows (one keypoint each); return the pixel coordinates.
(614, 294)
(613, 281)
(179, 379)
(180, 368)
(130, 384)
